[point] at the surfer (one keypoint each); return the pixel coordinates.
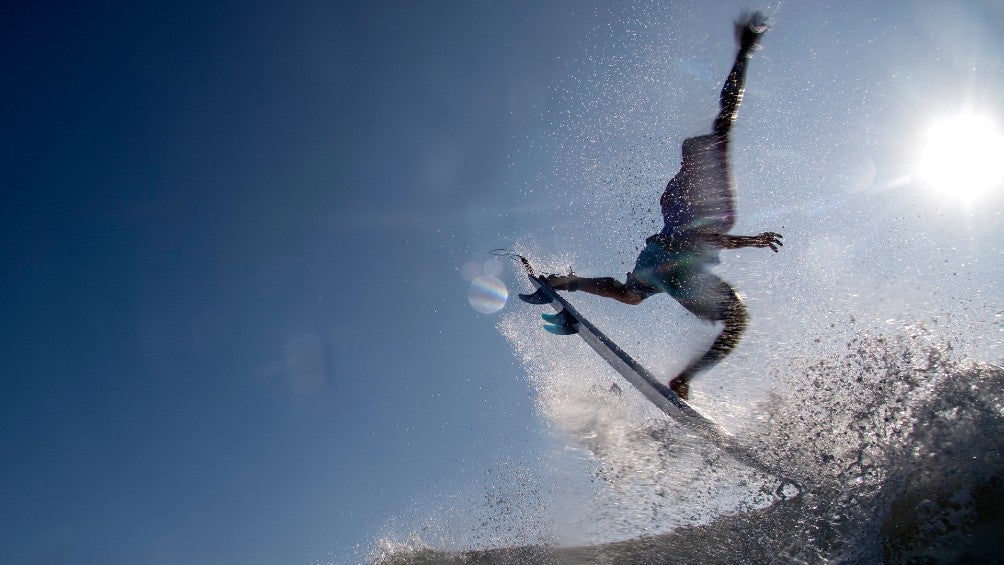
(698, 210)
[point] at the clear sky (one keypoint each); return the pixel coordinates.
(235, 323)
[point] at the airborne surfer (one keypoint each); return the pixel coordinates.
(698, 210)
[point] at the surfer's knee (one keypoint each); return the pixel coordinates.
(622, 292)
(734, 311)
(607, 287)
(735, 317)
(626, 291)
(628, 297)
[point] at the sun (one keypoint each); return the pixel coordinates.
(962, 156)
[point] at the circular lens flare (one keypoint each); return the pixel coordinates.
(487, 295)
(493, 267)
(471, 271)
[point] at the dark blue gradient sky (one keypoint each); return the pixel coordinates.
(234, 322)
(234, 326)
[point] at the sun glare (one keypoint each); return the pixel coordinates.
(962, 156)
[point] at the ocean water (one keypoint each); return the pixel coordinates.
(897, 441)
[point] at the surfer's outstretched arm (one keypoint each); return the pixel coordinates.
(748, 32)
(766, 239)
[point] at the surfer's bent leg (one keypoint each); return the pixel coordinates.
(733, 314)
(748, 32)
(607, 287)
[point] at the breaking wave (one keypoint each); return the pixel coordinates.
(903, 443)
(897, 438)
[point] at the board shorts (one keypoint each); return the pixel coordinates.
(683, 274)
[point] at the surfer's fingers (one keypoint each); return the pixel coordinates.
(772, 240)
(767, 239)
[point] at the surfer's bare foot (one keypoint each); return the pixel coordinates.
(563, 282)
(680, 387)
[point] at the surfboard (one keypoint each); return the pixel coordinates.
(568, 321)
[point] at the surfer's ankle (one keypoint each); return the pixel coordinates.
(680, 387)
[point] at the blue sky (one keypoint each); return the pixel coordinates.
(235, 323)
(235, 326)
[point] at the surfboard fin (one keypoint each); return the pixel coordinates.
(558, 329)
(561, 323)
(538, 297)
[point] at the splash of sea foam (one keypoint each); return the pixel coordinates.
(895, 408)
(900, 441)
(894, 429)
(652, 474)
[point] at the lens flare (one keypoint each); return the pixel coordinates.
(487, 295)
(471, 271)
(961, 157)
(493, 267)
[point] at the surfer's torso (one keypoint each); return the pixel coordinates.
(700, 196)
(697, 201)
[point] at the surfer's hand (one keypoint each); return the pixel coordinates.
(766, 239)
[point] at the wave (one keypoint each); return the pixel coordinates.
(904, 446)
(899, 442)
